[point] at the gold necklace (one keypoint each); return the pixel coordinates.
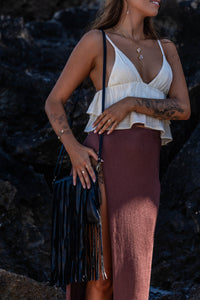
(138, 50)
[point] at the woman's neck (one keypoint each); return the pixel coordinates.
(132, 25)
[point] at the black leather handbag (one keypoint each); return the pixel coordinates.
(76, 238)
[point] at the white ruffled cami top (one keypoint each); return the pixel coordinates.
(125, 81)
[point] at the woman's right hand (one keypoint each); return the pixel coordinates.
(81, 164)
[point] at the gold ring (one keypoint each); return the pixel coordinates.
(109, 120)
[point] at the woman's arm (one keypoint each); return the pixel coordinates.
(78, 67)
(175, 107)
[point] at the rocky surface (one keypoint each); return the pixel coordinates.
(25, 288)
(33, 51)
(176, 250)
(43, 10)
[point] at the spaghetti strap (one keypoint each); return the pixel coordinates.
(161, 48)
(115, 47)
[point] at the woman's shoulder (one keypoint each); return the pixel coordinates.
(89, 43)
(167, 43)
(169, 47)
(92, 37)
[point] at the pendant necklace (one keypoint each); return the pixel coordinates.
(140, 55)
(138, 50)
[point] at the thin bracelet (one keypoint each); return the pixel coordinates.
(61, 132)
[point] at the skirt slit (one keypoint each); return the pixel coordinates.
(131, 176)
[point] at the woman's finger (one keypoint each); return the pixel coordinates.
(102, 123)
(86, 178)
(106, 126)
(113, 127)
(92, 153)
(74, 176)
(85, 175)
(91, 172)
(82, 179)
(99, 118)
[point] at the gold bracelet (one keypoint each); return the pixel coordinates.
(61, 132)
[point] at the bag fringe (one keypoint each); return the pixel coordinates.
(77, 245)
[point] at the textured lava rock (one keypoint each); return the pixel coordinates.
(44, 10)
(25, 207)
(15, 286)
(32, 55)
(195, 293)
(178, 228)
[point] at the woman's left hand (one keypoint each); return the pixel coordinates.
(111, 116)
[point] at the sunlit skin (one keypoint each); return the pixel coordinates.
(177, 106)
(86, 59)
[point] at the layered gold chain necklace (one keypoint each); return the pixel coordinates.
(138, 50)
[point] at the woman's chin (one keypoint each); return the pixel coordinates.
(153, 13)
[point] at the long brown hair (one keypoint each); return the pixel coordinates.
(110, 13)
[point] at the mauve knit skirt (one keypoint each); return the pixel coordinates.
(131, 176)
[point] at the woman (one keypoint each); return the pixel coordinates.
(146, 89)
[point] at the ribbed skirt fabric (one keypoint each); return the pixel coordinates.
(131, 175)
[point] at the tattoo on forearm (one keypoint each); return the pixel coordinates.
(60, 119)
(57, 118)
(161, 109)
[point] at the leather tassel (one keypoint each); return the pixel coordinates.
(104, 275)
(76, 236)
(77, 249)
(97, 253)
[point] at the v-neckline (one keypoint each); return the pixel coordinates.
(147, 83)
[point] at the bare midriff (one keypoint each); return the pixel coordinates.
(138, 125)
(134, 125)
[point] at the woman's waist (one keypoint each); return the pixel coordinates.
(136, 127)
(119, 128)
(138, 120)
(133, 118)
(127, 124)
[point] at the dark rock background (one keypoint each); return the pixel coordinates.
(36, 40)
(32, 10)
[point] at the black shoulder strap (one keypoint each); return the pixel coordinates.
(62, 150)
(103, 93)
(104, 70)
